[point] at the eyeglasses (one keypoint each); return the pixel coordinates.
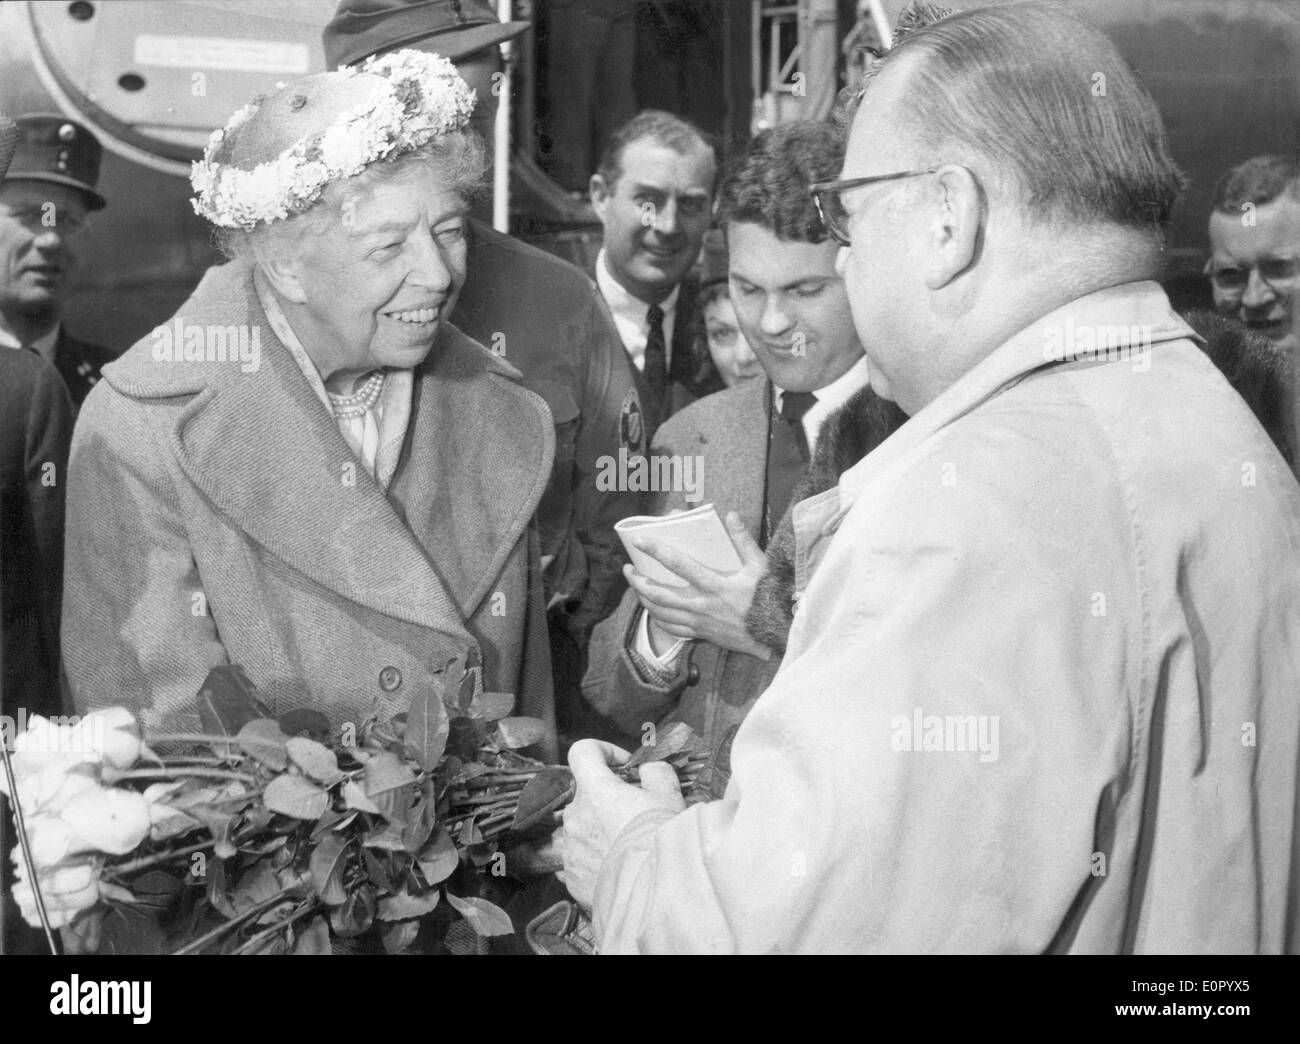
(830, 207)
(1273, 270)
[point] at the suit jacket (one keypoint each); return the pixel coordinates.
(35, 430)
(713, 688)
(1040, 690)
(219, 516)
(547, 319)
(80, 364)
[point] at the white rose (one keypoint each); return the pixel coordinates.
(54, 786)
(107, 820)
(50, 840)
(42, 740)
(67, 891)
(113, 734)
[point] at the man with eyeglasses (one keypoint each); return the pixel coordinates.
(1039, 694)
(1254, 265)
(45, 202)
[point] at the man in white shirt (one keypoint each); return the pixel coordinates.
(685, 652)
(652, 194)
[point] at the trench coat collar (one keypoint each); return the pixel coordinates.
(266, 452)
(1137, 304)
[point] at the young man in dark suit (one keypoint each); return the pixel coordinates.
(44, 204)
(686, 653)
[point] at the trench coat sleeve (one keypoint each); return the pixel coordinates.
(830, 837)
(136, 625)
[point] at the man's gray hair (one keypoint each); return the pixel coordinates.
(1043, 105)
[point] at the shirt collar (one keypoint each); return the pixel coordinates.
(1140, 305)
(840, 390)
(622, 302)
(284, 332)
(830, 398)
(393, 410)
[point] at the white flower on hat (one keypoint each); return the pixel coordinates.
(422, 98)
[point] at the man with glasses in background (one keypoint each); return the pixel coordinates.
(1254, 265)
(1254, 272)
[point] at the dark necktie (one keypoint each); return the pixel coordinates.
(793, 406)
(656, 367)
(787, 453)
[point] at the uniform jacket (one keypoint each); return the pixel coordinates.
(549, 321)
(713, 688)
(1096, 558)
(80, 364)
(218, 516)
(35, 429)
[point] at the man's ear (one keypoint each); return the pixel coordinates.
(958, 225)
(282, 273)
(600, 193)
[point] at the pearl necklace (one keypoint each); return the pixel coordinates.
(361, 401)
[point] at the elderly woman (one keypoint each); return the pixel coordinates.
(307, 471)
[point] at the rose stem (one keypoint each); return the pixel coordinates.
(234, 922)
(192, 759)
(144, 862)
(199, 773)
(190, 737)
(488, 799)
(307, 907)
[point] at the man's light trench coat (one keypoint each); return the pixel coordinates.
(1081, 580)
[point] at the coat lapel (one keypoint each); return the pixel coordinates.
(748, 460)
(263, 448)
(487, 447)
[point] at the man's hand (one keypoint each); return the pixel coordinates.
(712, 605)
(603, 806)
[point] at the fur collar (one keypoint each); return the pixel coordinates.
(850, 433)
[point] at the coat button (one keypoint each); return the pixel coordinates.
(693, 675)
(390, 679)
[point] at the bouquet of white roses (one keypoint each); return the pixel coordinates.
(269, 835)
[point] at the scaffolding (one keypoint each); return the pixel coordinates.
(797, 52)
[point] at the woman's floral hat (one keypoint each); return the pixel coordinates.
(416, 97)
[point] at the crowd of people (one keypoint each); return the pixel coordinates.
(1011, 661)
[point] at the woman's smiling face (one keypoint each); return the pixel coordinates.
(378, 280)
(732, 357)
